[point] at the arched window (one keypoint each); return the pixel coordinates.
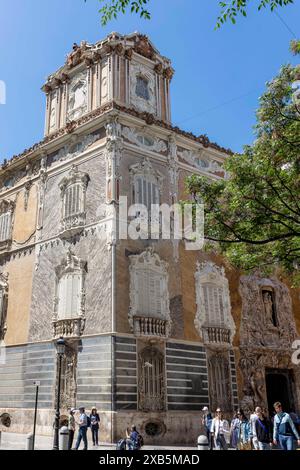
(149, 295)
(151, 380)
(3, 304)
(213, 318)
(73, 194)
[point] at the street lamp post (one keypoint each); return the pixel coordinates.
(60, 349)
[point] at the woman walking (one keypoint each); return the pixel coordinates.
(95, 421)
(244, 436)
(234, 432)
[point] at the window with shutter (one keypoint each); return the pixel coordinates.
(5, 225)
(69, 294)
(213, 318)
(73, 192)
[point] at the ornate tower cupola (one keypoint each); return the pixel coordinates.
(127, 70)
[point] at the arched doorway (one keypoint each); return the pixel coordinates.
(279, 385)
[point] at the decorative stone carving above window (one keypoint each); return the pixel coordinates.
(6, 221)
(144, 141)
(198, 160)
(74, 149)
(213, 319)
(73, 195)
(149, 313)
(3, 304)
(142, 88)
(69, 303)
(77, 102)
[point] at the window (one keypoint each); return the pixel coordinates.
(213, 317)
(70, 293)
(3, 304)
(73, 193)
(151, 380)
(149, 294)
(6, 215)
(219, 382)
(146, 185)
(142, 88)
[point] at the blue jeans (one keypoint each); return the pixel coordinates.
(286, 442)
(221, 442)
(82, 436)
(264, 446)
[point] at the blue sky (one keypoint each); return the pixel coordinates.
(219, 74)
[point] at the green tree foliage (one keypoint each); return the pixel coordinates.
(229, 9)
(254, 214)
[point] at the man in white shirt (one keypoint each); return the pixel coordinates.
(82, 433)
(253, 419)
(220, 431)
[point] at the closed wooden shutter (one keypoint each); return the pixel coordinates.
(5, 221)
(69, 295)
(73, 201)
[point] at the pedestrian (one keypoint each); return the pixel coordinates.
(206, 422)
(284, 431)
(220, 431)
(253, 418)
(263, 431)
(82, 433)
(234, 431)
(71, 427)
(244, 438)
(95, 421)
(134, 440)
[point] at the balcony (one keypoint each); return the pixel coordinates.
(68, 328)
(72, 225)
(150, 327)
(216, 335)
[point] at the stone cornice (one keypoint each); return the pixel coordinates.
(40, 147)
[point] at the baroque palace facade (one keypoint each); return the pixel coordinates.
(154, 332)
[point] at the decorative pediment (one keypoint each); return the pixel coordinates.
(74, 176)
(6, 206)
(145, 170)
(70, 263)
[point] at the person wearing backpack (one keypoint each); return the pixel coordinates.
(284, 429)
(83, 423)
(263, 431)
(133, 439)
(95, 420)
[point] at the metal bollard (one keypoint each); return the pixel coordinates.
(63, 438)
(202, 443)
(29, 442)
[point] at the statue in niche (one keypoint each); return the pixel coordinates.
(269, 308)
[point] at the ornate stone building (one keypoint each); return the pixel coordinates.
(154, 332)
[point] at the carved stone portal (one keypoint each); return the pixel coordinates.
(267, 333)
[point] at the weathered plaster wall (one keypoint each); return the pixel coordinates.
(20, 272)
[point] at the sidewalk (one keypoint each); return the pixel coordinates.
(11, 441)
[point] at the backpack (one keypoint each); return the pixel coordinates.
(139, 442)
(88, 421)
